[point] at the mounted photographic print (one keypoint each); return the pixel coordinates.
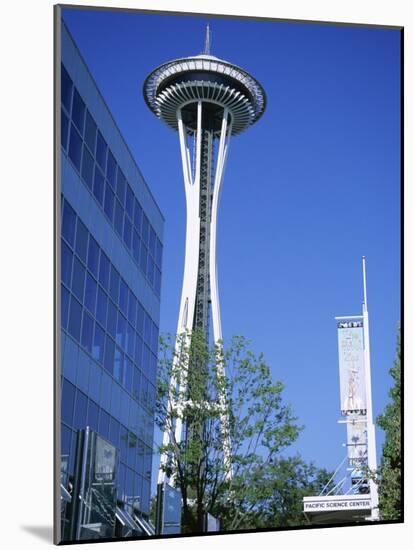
(228, 196)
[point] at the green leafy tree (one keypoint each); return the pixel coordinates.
(275, 497)
(245, 409)
(389, 474)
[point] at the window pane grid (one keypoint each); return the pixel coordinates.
(85, 146)
(91, 317)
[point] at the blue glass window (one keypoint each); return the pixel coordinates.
(157, 281)
(140, 461)
(127, 233)
(64, 129)
(152, 239)
(154, 338)
(78, 279)
(66, 263)
(87, 168)
(145, 229)
(101, 149)
(119, 365)
(130, 340)
(158, 253)
(143, 257)
(128, 374)
(104, 423)
(147, 329)
(109, 354)
(121, 481)
(78, 112)
(105, 397)
(145, 496)
(140, 318)
(101, 307)
(93, 415)
(150, 270)
(121, 186)
(109, 202)
(93, 256)
(98, 186)
(123, 443)
(129, 202)
(75, 147)
(152, 368)
(111, 169)
(98, 343)
(136, 243)
(104, 265)
(144, 391)
(138, 483)
(64, 306)
(146, 360)
(114, 432)
(68, 223)
(136, 383)
(141, 465)
(132, 453)
(90, 293)
(68, 401)
(147, 463)
(137, 216)
(81, 408)
(138, 350)
(119, 218)
(130, 482)
(132, 308)
(81, 245)
(75, 313)
(121, 330)
(123, 297)
(114, 284)
(111, 326)
(87, 331)
(65, 439)
(72, 454)
(90, 132)
(66, 89)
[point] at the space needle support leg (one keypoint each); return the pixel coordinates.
(215, 305)
(178, 383)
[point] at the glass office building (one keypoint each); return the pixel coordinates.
(110, 259)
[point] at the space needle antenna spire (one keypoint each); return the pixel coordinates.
(207, 41)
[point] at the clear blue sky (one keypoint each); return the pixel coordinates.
(308, 190)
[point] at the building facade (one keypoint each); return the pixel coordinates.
(111, 252)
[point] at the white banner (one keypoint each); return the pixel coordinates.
(351, 370)
(357, 442)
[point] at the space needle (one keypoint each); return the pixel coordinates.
(207, 100)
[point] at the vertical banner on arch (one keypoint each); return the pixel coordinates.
(351, 369)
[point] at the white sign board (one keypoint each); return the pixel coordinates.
(351, 370)
(105, 460)
(337, 503)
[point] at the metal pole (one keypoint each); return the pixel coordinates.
(372, 452)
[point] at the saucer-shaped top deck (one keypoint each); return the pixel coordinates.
(182, 83)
